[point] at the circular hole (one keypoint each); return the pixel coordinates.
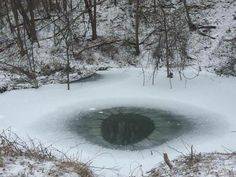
(129, 128)
(126, 128)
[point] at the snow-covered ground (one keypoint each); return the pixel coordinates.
(22, 166)
(215, 53)
(208, 101)
(201, 165)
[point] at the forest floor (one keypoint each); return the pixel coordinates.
(199, 165)
(19, 159)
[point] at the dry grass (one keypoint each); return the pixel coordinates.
(200, 164)
(13, 147)
(72, 166)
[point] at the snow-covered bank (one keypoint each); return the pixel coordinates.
(42, 113)
(18, 158)
(201, 165)
(23, 166)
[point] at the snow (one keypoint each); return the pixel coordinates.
(22, 166)
(202, 165)
(208, 100)
(205, 49)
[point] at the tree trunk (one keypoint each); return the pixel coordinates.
(167, 50)
(92, 16)
(32, 21)
(28, 22)
(94, 26)
(18, 33)
(68, 66)
(191, 26)
(137, 27)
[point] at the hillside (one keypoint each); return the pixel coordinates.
(210, 45)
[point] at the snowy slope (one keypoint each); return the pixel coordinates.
(210, 52)
(202, 165)
(116, 22)
(22, 166)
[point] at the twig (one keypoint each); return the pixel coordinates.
(167, 160)
(176, 150)
(203, 34)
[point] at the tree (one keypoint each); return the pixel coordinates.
(191, 26)
(137, 20)
(17, 25)
(64, 31)
(28, 20)
(92, 12)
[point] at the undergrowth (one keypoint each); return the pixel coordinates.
(13, 147)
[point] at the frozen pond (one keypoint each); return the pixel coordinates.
(200, 112)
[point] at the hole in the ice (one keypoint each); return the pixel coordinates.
(126, 128)
(131, 128)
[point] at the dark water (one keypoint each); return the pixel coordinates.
(129, 128)
(126, 128)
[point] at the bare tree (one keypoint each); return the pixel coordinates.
(92, 12)
(166, 40)
(64, 31)
(17, 25)
(191, 26)
(137, 21)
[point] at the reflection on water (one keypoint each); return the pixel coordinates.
(126, 128)
(129, 128)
